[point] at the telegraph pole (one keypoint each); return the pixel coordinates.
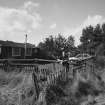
(25, 46)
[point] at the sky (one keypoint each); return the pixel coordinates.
(41, 18)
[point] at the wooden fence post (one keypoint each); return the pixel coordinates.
(35, 84)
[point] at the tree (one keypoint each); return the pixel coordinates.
(86, 38)
(70, 41)
(48, 46)
(57, 45)
(60, 43)
(103, 32)
(91, 38)
(103, 28)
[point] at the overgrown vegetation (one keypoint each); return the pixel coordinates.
(73, 94)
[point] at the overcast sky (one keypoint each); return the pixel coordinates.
(40, 18)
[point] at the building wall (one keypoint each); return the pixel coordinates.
(6, 53)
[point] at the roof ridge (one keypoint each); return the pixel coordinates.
(15, 44)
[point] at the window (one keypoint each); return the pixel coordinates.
(16, 51)
(28, 51)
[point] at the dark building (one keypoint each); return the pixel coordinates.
(9, 49)
(14, 50)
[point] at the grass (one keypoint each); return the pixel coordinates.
(14, 86)
(64, 92)
(67, 93)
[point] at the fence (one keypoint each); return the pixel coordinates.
(47, 73)
(49, 70)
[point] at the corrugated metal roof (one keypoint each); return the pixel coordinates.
(15, 44)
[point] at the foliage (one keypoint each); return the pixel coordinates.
(92, 38)
(43, 54)
(55, 46)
